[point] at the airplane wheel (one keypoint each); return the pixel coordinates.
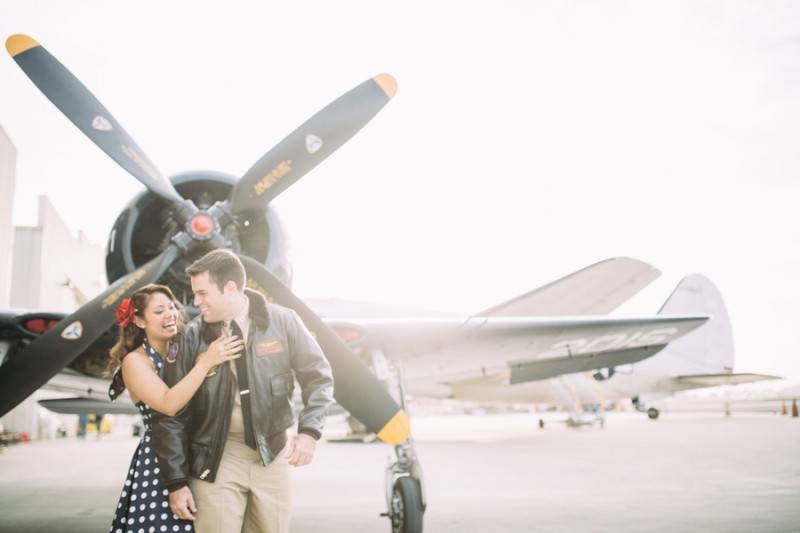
(652, 413)
(406, 506)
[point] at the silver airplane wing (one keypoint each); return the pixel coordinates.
(522, 349)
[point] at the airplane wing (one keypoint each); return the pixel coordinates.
(522, 349)
(88, 406)
(713, 380)
(84, 390)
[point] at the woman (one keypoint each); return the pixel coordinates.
(149, 322)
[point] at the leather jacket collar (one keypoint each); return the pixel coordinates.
(259, 317)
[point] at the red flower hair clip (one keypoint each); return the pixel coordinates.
(125, 312)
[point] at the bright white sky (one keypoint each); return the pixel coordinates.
(527, 140)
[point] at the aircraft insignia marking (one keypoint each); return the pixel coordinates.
(604, 343)
(313, 143)
(73, 332)
(273, 176)
(140, 161)
(101, 124)
(112, 298)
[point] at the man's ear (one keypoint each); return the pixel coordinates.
(230, 287)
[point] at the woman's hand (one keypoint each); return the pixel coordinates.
(221, 350)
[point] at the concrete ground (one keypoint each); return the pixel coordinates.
(483, 473)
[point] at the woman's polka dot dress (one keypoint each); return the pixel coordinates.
(144, 503)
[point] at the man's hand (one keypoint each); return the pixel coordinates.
(182, 503)
(302, 450)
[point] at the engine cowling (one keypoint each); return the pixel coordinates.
(146, 226)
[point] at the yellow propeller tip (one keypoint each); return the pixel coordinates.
(16, 44)
(387, 83)
(396, 430)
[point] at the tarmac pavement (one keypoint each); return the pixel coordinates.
(483, 473)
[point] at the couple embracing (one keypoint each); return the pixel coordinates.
(216, 400)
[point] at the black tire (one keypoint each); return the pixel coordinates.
(652, 413)
(407, 506)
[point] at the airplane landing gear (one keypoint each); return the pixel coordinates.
(406, 506)
(652, 412)
(405, 497)
(405, 488)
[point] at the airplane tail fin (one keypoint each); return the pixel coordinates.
(708, 350)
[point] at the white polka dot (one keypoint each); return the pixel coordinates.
(155, 481)
(187, 528)
(152, 517)
(153, 493)
(141, 519)
(141, 507)
(136, 474)
(130, 471)
(132, 509)
(163, 504)
(174, 516)
(124, 493)
(146, 472)
(166, 492)
(175, 528)
(151, 530)
(163, 516)
(133, 497)
(130, 521)
(163, 528)
(157, 470)
(147, 449)
(135, 485)
(119, 505)
(143, 495)
(153, 504)
(127, 482)
(145, 484)
(147, 461)
(141, 530)
(137, 464)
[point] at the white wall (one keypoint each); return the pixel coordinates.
(46, 257)
(8, 163)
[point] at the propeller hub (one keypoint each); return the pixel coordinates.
(202, 226)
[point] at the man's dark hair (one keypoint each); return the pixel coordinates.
(222, 266)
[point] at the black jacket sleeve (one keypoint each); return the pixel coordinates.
(314, 374)
(170, 437)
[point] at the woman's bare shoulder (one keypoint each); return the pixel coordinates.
(136, 359)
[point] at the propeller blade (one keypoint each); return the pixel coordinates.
(356, 388)
(311, 143)
(49, 353)
(80, 106)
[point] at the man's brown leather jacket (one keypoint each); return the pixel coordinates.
(279, 348)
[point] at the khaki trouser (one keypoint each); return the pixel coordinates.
(246, 495)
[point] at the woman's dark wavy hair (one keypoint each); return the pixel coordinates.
(132, 336)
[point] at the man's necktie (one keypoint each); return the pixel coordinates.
(244, 389)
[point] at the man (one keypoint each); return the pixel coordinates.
(226, 457)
